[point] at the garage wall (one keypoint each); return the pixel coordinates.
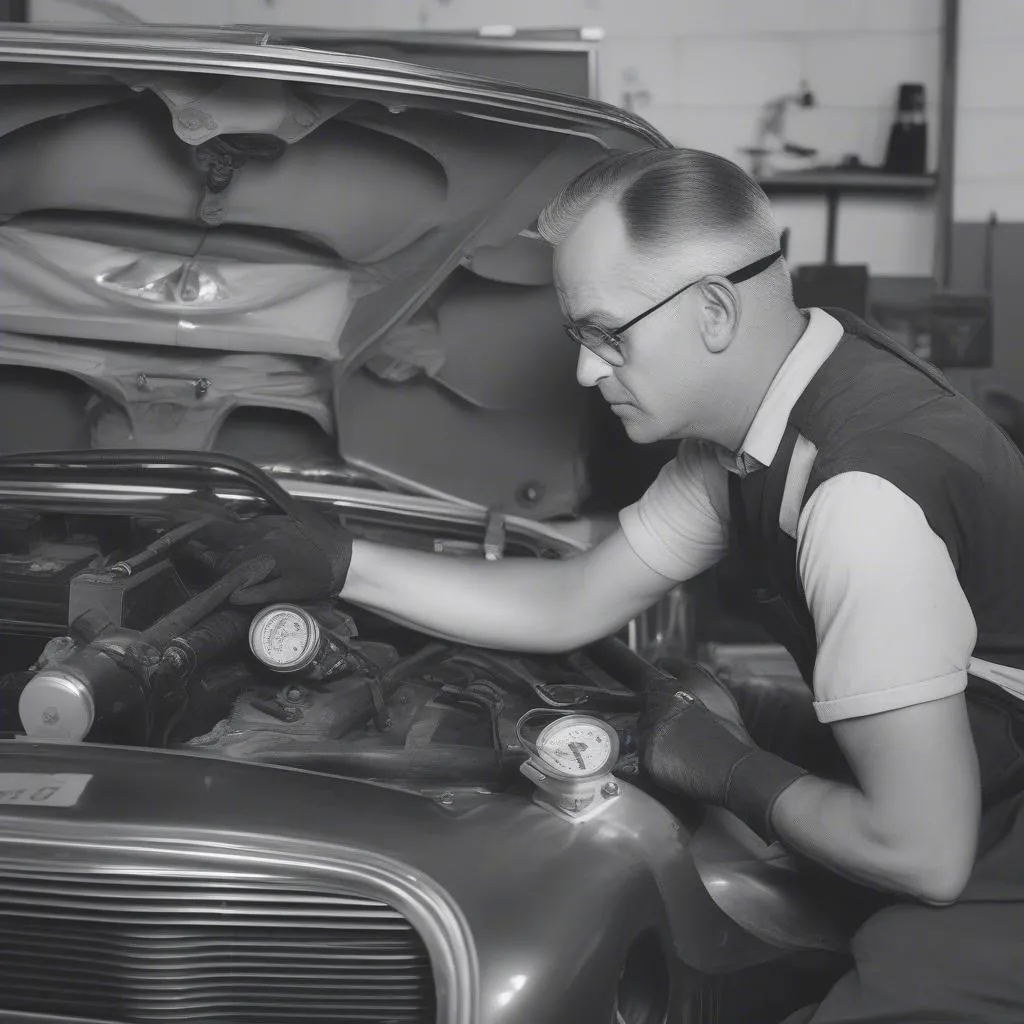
(990, 112)
(989, 175)
(700, 70)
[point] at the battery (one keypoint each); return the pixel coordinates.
(134, 601)
(34, 584)
(19, 530)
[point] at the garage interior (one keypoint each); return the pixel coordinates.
(888, 135)
(891, 201)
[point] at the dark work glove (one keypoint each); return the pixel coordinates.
(688, 749)
(311, 557)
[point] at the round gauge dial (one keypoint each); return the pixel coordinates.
(285, 638)
(578, 747)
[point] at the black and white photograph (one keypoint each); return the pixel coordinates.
(511, 512)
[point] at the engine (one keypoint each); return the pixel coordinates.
(118, 630)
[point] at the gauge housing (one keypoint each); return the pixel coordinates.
(285, 638)
(573, 796)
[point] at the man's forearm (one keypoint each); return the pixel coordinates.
(515, 604)
(910, 824)
(837, 826)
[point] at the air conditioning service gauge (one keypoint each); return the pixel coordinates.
(285, 638)
(571, 760)
(578, 747)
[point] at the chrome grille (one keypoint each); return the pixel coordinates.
(203, 949)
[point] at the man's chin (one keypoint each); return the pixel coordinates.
(639, 429)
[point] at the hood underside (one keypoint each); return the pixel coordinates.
(310, 269)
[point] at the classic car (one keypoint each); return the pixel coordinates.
(280, 280)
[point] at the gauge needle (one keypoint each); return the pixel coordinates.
(576, 749)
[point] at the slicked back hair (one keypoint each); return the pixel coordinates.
(665, 195)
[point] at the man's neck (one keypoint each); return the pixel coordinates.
(774, 343)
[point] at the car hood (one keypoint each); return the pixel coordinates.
(209, 240)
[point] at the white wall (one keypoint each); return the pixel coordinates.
(700, 70)
(990, 112)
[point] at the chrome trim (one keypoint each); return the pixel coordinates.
(533, 126)
(419, 899)
(170, 53)
(386, 475)
(353, 498)
(427, 40)
(440, 508)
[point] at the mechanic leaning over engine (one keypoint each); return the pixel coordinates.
(878, 514)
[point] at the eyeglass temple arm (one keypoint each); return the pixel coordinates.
(736, 277)
(653, 309)
(753, 269)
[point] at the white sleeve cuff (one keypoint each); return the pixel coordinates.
(891, 699)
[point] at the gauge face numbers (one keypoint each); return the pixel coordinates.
(578, 747)
(285, 638)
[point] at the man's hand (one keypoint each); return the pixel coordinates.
(686, 748)
(311, 557)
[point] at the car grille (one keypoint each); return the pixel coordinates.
(191, 948)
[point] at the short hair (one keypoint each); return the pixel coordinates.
(664, 195)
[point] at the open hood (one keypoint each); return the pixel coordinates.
(211, 241)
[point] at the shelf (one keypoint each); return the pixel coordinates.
(835, 183)
(822, 182)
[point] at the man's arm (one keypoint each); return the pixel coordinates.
(518, 603)
(911, 823)
(515, 604)
(674, 532)
(895, 634)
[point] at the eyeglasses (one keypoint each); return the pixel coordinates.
(607, 342)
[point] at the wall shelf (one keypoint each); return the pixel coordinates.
(835, 183)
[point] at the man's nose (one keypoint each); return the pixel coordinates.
(591, 369)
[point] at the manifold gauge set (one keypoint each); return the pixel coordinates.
(571, 761)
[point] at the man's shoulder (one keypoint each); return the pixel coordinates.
(855, 519)
(867, 384)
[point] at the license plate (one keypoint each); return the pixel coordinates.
(39, 790)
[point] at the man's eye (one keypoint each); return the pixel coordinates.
(595, 332)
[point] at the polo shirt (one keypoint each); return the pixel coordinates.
(893, 625)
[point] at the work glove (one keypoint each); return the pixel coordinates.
(311, 561)
(686, 748)
(311, 557)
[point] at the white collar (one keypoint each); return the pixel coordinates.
(819, 340)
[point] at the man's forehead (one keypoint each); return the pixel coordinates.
(591, 261)
(596, 241)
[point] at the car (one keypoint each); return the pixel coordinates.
(241, 278)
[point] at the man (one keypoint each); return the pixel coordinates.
(876, 512)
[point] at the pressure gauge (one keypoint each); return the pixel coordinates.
(285, 638)
(578, 747)
(570, 763)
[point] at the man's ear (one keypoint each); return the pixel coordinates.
(719, 313)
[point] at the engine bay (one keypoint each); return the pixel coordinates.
(117, 629)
